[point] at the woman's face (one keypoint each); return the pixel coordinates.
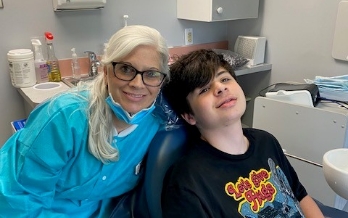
(134, 95)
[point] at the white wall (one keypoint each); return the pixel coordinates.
(299, 43)
(300, 38)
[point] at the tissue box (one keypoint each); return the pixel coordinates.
(17, 125)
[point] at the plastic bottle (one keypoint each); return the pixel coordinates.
(75, 67)
(105, 48)
(52, 61)
(41, 67)
(22, 69)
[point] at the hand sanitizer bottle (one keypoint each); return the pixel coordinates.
(75, 67)
(41, 68)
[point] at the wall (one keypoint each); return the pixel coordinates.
(299, 42)
(299, 38)
(84, 30)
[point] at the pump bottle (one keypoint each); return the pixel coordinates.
(52, 61)
(41, 68)
(75, 67)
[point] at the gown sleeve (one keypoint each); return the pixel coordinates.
(33, 158)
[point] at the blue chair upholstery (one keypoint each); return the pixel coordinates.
(145, 200)
(165, 149)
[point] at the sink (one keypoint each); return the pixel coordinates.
(72, 82)
(47, 86)
(335, 167)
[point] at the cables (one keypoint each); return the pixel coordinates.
(343, 104)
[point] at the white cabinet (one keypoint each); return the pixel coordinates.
(217, 10)
(61, 5)
(306, 132)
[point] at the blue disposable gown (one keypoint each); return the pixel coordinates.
(47, 171)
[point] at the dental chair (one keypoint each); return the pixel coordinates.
(164, 150)
(145, 200)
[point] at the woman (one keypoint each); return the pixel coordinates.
(84, 147)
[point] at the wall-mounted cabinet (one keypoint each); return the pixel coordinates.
(61, 5)
(217, 10)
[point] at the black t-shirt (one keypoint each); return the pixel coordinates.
(207, 182)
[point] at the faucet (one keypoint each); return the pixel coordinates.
(93, 64)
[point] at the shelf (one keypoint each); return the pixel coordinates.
(254, 69)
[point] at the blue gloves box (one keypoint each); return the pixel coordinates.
(18, 124)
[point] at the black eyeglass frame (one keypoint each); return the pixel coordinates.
(136, 73)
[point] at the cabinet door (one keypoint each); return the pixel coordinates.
(233, 10)
(217, 10)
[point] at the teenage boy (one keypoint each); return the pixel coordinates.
(228, 171)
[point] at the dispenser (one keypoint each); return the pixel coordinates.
(41, 68)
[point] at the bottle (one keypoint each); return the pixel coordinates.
(105, 48)
(75, 67)
(52, 61)
(41, 68)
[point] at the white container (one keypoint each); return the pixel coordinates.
(22, 68)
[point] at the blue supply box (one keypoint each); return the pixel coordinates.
(18, 124)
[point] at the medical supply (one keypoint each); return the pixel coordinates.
(75, 66)
(332, 88)
(22, 69)
(52, 61)
(41, 68)
(18, 124)
(304, 94)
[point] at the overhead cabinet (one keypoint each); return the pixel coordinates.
(217, 10)
(61, 5)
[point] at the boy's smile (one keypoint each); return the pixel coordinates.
(229, 102)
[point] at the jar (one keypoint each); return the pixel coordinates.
(22, 68)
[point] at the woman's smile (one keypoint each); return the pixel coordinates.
(134, 97)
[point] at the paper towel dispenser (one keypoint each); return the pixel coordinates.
(60, 5)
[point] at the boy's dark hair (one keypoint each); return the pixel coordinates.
(191, 71)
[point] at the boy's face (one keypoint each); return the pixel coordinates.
(219, 103)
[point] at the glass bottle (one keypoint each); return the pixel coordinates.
(52, 61)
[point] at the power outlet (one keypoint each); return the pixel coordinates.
(188, 36)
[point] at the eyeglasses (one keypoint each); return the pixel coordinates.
(127, 72)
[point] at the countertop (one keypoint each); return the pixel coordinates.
(252, 69)
(34, 95)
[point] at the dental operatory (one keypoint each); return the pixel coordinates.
(87, 127)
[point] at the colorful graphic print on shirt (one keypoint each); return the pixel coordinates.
(264, 194)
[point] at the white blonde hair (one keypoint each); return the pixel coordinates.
(122, 43)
